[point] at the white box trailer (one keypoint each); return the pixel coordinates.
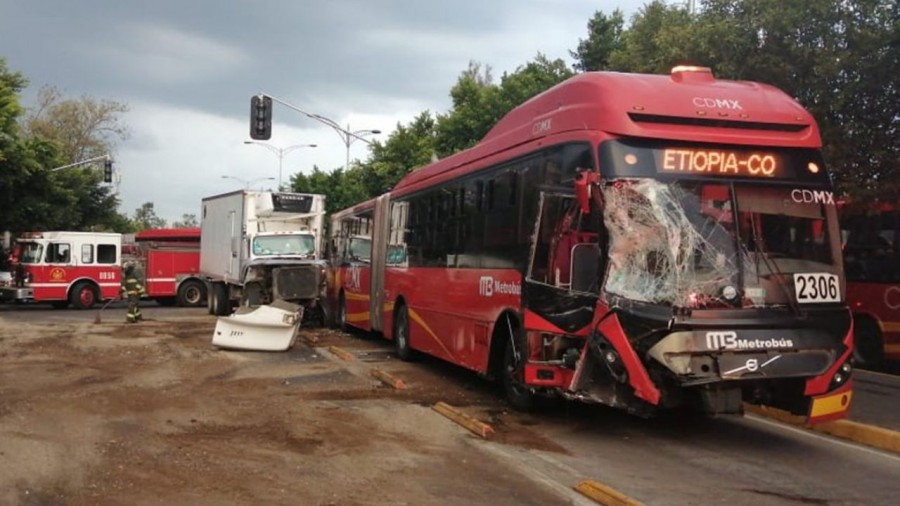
(257, 247)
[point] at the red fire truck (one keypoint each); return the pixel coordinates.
(168, 259)
(77, 268)
(647, 242)
(871, 235)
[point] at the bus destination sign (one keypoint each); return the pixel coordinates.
(719, 162)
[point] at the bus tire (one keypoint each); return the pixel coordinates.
(83, 295)
(191, 293)
(401, 334)
(868, 344)
(517, 393)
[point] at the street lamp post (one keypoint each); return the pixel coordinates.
(247, 183)
(280, 152)
(347, 136)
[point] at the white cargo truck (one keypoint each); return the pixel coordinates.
(258, 247)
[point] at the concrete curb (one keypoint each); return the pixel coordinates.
(388, 379)
(342, 353)
(604, 495)
(475, 426)
(869, 435)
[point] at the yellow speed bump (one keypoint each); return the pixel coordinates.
(604, 495)
(475, 426)
(388, 379)
(344, 354)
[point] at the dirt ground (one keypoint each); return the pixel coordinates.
(109, 413)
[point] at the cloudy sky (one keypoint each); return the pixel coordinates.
(187, 70)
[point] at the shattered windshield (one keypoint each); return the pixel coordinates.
(272, 245)
(698, 244)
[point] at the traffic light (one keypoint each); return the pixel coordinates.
(107, 171)
(260, 118)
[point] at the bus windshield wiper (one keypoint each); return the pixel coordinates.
(772, 265)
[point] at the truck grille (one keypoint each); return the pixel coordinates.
(297, 283)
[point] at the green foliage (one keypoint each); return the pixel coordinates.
(32, 195)
(840, 60)
(604, 37)
(341, 188)
(145, 217)
(187, 221)
(478, 104)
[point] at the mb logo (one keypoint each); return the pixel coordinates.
(719, 340)
(486, 286)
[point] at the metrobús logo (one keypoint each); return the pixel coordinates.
(488, 286)
(729, 340)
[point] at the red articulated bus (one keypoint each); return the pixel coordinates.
(169, 260)
(648, 242)
(871, 235)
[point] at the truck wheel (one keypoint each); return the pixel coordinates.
(868, 345)
(513, 377)
(191, 293)
(220, 303)
(83, 295)
(401, 335)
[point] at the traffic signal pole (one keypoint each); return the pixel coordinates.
(107, 166)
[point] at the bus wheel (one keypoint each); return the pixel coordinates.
(191, 293)
(868, 346)
(83, 296)
(401, 334)
(513, 377)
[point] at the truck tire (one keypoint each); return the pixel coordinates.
(191, 293)
(221, 306)
(83, 295)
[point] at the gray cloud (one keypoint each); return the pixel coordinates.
(188, 69)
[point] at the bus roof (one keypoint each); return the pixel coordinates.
(689, 104)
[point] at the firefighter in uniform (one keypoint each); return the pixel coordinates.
(132, 289)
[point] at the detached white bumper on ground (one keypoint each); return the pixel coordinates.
(264, 328)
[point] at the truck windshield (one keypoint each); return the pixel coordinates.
(697, 244)
(30, 252)
(284, 244)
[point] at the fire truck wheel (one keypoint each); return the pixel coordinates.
(518, 395)
(83, 295)
(401, 334)
(869, 347)
(191, 293)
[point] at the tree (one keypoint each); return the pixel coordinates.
(478, 104)
(145, 217)
(408, 147)
(341, 188)
(187, 221)
(604, 37)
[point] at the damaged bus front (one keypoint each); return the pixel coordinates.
(714, 276)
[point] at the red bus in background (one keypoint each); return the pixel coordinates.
(168, 259)
(871, 238)
(647, 242)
